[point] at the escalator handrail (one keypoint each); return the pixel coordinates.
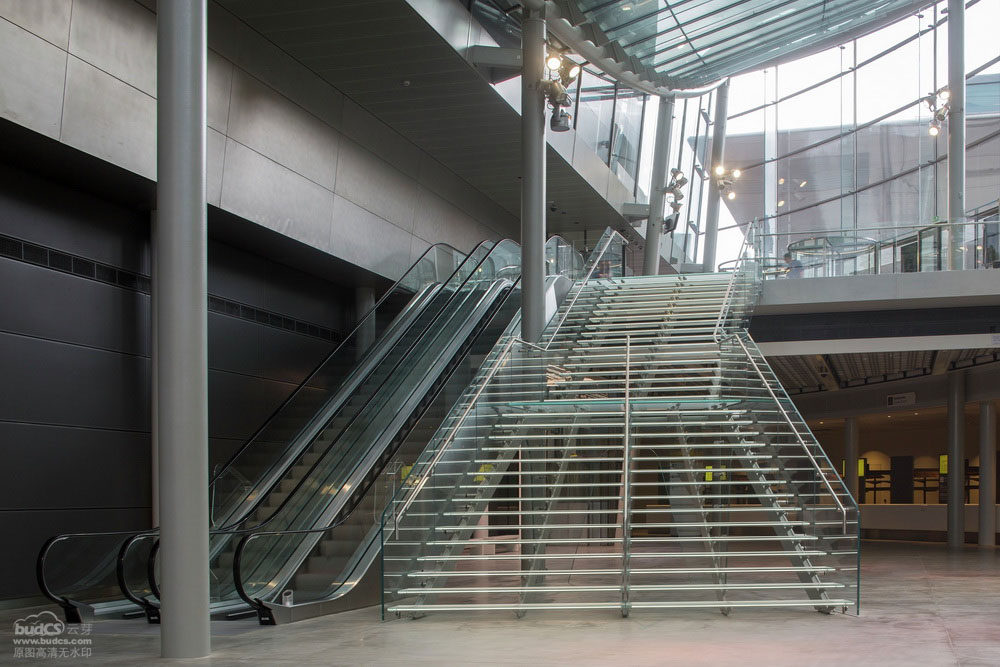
(233, 529)
(353, 562)
(220, 470)
(483, 305)
(135, 535)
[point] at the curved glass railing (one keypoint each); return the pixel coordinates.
(342, 553)
(86, 568)
(333, 468)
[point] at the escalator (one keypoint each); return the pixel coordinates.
(84, 572)
(340, 454)
(296, 573)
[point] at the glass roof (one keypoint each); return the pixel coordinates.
(690, 43)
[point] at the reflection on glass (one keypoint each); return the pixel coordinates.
(596, 108)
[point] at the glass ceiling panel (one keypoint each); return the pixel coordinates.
(693, 42)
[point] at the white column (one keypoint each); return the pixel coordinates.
(658, 181)
(956, 129)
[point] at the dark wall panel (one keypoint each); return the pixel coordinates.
(73, 309)
(60, 467)
(50, 382)
(31, 528)
(75, 365)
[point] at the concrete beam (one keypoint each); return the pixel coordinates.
(942, 361)
(938, 289)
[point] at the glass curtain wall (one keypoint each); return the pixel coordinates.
(840, 148)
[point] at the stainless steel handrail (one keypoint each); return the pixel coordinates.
(627, 480)
(583, 282)
(424, 476)
(805, 446)
(742, 257)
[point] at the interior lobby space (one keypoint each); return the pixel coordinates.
(611, 332)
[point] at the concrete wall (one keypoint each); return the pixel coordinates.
(285, 149)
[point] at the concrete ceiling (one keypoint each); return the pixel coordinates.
(385, 57)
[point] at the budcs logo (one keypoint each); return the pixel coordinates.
(42, 624)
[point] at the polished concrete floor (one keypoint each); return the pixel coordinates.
(921, 605)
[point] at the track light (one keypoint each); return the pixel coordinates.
(737, 173)
(731, 196)
(553, 62)
(934, 129)
(720, 170)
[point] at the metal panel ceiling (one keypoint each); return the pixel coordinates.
(367, 49)
(798, 373)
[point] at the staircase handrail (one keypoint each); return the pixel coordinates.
(787, 418)
(609, 236)
(741, 261)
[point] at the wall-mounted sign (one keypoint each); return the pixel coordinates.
(894, 400)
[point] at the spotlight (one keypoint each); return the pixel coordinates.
(568, 72)
(560, 121)
(720, 170)
(945, 95)
(781, 181)
(553, 62)
(934, 129)
(781, 203)
(731, 195)
(803, 184)
(681, 181)
(737, 173)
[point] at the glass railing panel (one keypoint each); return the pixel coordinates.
(879, 249)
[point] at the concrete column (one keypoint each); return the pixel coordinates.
(532, 175)
(956, 128)
(851, 457)
(661, 153)
(956, 459)
(718, 157)
(182, 317)
(987, 473)
(364, 301)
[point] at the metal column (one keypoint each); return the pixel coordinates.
(956, 459)
(987, 473)
(182, 347)
(532, 175)
(956, 128)
(851, 457)
(714, 195)
(654, 223)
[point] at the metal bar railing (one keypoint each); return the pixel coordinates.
(791, 425)
(597, 259)
(727, 299)
(627, 479)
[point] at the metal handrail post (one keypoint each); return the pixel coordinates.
(627, 478)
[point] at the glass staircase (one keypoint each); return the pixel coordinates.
(642, 456)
